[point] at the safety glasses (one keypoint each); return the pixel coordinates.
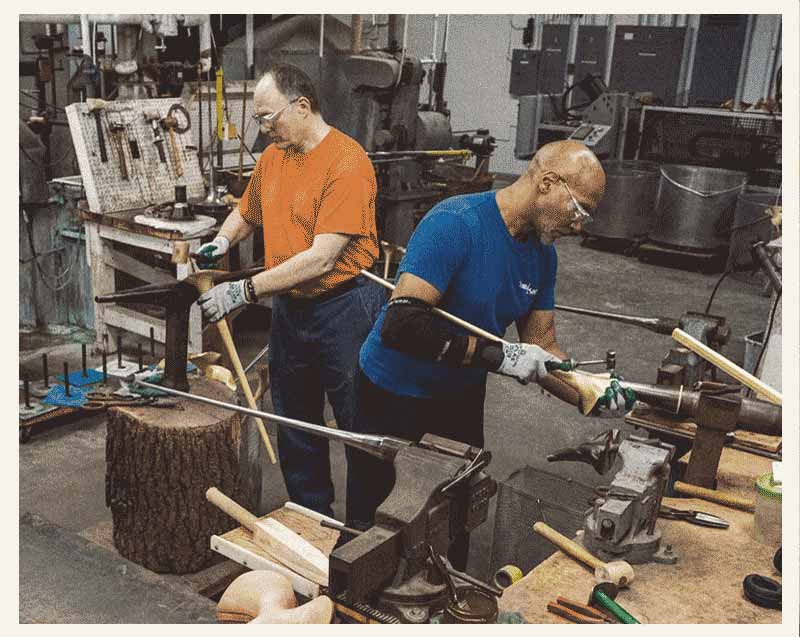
(581, 216)
(269, 119)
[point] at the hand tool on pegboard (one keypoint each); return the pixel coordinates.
(152, 118)
(386, 570)
(117, 129)
(95, 106)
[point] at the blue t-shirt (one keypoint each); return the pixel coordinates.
(463, 248)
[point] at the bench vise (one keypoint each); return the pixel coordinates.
(440, 492)
(621, 523)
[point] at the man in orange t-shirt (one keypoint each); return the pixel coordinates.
(313, 192)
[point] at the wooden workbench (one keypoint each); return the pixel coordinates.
(704, 587)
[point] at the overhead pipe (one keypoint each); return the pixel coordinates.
(250, 44)
(744, 64)
(610, 37)
(775, 40)
(356, 33)
(693, 26)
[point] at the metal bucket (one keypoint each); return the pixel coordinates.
(695, 206)
(627, 210)
(751, 222)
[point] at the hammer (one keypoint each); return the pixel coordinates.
(152, 118)
(95, 106)
(170, 124)
(619, 572)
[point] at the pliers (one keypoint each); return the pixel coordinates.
(97, 401)
(693, 517)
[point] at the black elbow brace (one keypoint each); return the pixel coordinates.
(410, 326)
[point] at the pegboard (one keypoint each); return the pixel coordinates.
(149, 180)
(230, 147)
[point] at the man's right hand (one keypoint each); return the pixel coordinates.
(525, 362)
(213, 251)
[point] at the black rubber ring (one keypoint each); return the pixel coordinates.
(762, 591)
(776, 561)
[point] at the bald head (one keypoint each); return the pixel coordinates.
(574, 162)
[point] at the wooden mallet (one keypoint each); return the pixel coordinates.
(618, 572)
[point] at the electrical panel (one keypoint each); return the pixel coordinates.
(648, 59)
(524, 72)
(553, 60)
(590, 52)
(720, 42)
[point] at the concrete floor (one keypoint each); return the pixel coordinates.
(62, 470)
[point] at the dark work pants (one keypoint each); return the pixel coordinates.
(370, 480)
(314, 349)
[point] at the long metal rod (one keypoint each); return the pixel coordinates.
(374, 445)
(657, 324)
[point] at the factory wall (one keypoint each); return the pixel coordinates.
(479, 65)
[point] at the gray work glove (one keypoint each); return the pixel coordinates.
(213, 251)
(223, 299)
(525, 362)
(616, 401)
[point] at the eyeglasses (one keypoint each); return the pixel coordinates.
(268, 119)
(581, 216)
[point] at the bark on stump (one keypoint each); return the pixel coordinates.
(159, 464)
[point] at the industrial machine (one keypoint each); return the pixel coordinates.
(600, 124)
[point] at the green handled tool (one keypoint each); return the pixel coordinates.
(610, 361)
(603, 596)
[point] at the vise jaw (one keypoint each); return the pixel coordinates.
(388, 564)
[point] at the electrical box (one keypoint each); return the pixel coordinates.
(720, 42)
(648, 59)
(590, 52)
(553, 62)
(524, 72)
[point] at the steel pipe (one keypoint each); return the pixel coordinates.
(755, 415)
(744, 64)
(383, 447)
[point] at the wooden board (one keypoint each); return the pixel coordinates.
(704, 587)
(238, 545)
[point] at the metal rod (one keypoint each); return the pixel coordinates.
(119, 351)
(379, 446)
(660, 325)
(257, 358)
(66, 379)
(152, 342)
(83, 359)
(26, 389)
(45, 372)
(105, 367)
(140, 356)
(339, 527)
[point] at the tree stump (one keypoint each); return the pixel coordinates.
(159, 464)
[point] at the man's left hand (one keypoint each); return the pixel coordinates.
(616, 401)
(223, 299)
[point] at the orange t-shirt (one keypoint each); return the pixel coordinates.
(296, 196)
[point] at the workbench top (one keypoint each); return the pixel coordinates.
(124, 220)
(704, 587)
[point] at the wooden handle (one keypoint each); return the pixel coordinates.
(717, 359)
(720, 497)
(227, 339)
(453, 319)
(228, 506)
(204, 281)
(569, 547)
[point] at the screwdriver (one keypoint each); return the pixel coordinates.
(570, 364)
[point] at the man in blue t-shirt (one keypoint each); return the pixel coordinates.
(487, 258)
